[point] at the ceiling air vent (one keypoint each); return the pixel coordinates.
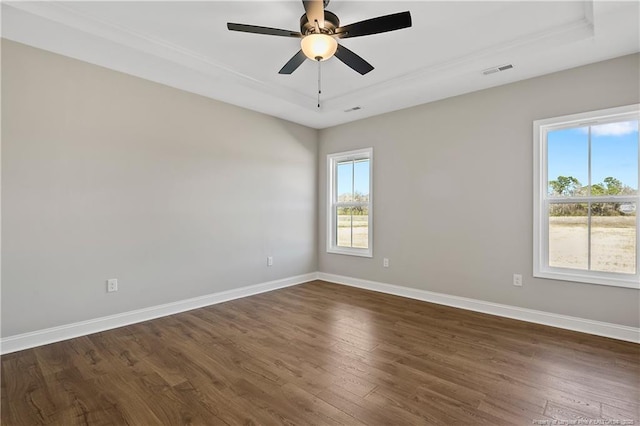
(355, 108)
(497, 69)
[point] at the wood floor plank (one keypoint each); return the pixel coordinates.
(613, 413)
(323, 354)
(512, 412)
(23, 377)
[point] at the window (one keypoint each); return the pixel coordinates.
(586, 197)
(349, 203)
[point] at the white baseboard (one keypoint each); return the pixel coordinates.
(55, 334)
(614, 331)
(83, 328)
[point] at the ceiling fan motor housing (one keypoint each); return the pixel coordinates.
(331, 22)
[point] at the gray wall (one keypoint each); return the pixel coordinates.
(105, 175)
(439, 169)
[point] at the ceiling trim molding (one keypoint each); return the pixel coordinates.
(540, 40)
(579, 29)
(157, 47)
(65, 15)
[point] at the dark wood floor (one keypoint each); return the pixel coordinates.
(321, 353)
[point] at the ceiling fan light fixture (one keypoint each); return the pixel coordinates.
(319, 47)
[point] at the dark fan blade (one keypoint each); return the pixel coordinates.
(262, 30)
(352, 60)
(381, 24)
(315, 11)
(293, 63)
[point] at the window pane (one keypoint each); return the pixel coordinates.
(344, 177)
(343, 219)
(568, 236)
(361, 180)
(360, 221)
(614, 158)
(349, 201)
(568, 161)
(613, 237)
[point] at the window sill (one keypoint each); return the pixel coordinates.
(350, 252)
(575, 275)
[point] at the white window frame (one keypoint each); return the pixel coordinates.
(542, 200)
(333, 204)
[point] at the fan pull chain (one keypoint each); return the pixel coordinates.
(319, 86)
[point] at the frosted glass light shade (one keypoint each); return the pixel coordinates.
(320, 46)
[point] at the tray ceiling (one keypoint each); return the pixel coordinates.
(186, 45)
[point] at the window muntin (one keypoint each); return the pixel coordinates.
(586, 194)
(349, 202)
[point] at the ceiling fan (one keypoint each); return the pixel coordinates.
(319, 31)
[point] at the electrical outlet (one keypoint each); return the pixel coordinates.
(385, 263)
(517, 280)
(112, 285)
(269, 260)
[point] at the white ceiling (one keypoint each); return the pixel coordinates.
(186, 45)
